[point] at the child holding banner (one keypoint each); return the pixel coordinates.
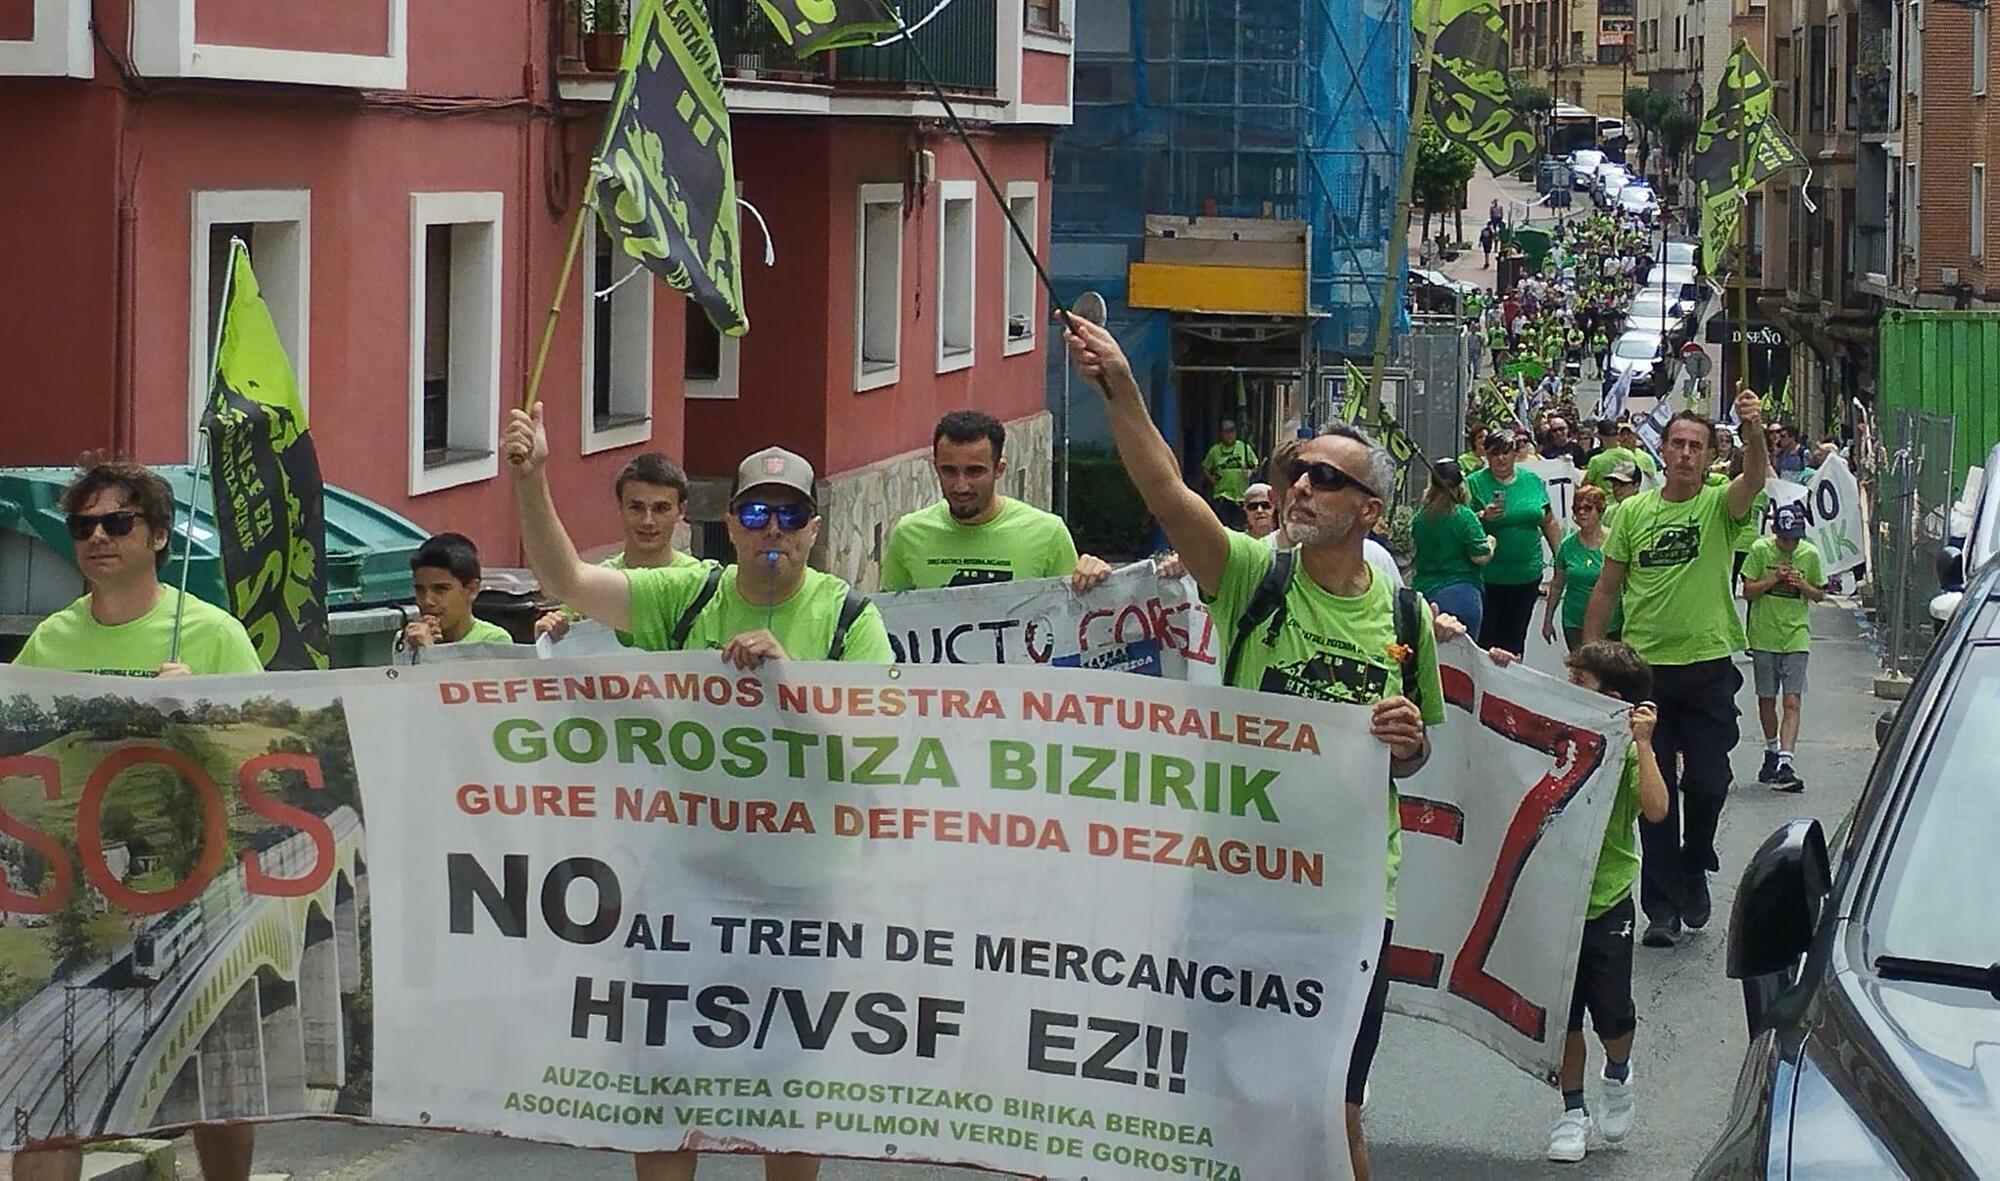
(1604, 962)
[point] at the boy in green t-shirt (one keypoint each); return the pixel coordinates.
(1780, 575)
(444, 574)
(1604, 962)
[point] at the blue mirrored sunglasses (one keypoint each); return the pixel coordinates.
(755, 514)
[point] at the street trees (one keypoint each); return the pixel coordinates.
(1443, 168)
(1646, 106)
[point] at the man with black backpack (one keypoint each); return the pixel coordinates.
(1313, 621)
(769, 605)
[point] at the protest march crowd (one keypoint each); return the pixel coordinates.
(1642, 591)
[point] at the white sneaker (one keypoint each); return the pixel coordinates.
(1568, 1139)
(1621, 1106)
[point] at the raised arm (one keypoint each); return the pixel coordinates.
(1749, 483)
(593, 590)
(1191, 526)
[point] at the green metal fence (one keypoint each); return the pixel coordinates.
(960, 45)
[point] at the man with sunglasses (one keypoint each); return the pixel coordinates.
(769, 605)
(120, 517)
(1333, 634)
(1260, 512)
(974, 535)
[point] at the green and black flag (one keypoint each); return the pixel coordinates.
(810, 26)
(269, 503)
(665, 176)
(1468, 90)
(1739, 147)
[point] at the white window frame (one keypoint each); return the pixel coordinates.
(474, 352)
(728, 382)
(1977, 208)
(865, 377)
(163, 45)
(1912, 178)
(632, 345)
(1981, 27)
(60, 46)
(281, 251)
(965, 194)
(1020, 270)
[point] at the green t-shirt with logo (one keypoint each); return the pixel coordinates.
(1581, 565)
(1778, 616)
(213, 643)
(804, 623)
(927, 549)
(1678, 558)
(1444, 545)
(1618, 857)
(1330, 648)
(1231, 463)
(1517, 553)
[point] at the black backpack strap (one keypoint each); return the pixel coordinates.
(685, 625)
(1267, 602)
(850, 610)
(1409, 629)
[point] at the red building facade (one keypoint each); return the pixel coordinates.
(406, 176)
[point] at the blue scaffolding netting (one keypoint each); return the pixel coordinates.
(1243, 108)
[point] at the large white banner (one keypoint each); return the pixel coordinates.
(1065, 926)
(1834, 522)
(1501, 831)
(1563, 478)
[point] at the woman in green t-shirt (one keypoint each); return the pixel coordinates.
(1579, 560)
(1449, 546)
(1516, 512)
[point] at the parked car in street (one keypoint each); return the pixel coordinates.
(1639, 201)
(1643, 352)
(1649, 313)
(1681, 284)
(1868, 964)
(1583, 164)
(1675, 252)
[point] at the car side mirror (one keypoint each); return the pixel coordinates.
(1951, 568)
(1776, 913)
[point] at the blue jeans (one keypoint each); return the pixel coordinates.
(1461, 600)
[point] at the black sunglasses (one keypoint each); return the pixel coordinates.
(755, 514)
(1325, 477)
(117, 524)
(1257, 504)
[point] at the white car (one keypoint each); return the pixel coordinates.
(1638, 200)
(1652, 316)
(1439, 278)
(1609, 185)
(1679, 254)
(1640, 351)
(1583, 164)
(1682, 284)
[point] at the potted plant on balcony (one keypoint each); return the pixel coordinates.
(603, 26)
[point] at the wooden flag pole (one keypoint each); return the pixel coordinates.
(1399, 232)
(1742, 266)
(531, 392)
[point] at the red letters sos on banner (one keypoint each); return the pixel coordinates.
(57, 888)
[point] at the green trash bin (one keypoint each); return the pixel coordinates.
(368, 550)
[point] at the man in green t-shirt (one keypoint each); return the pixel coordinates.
(652, 493)
(1668, 562)
(768, 606)
(1333, 636)
(444, 574)
(1597, 472)
(120, 517)
(1226, 472)
(1780, 576)
(975, 535)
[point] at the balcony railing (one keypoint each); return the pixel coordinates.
(960, 45)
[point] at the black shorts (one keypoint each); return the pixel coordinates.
(1604, 975)
(1370, 1035)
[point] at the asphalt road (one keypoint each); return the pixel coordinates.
(1443, 1106)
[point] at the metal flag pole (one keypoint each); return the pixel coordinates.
(204, 450)
(1399, 232)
